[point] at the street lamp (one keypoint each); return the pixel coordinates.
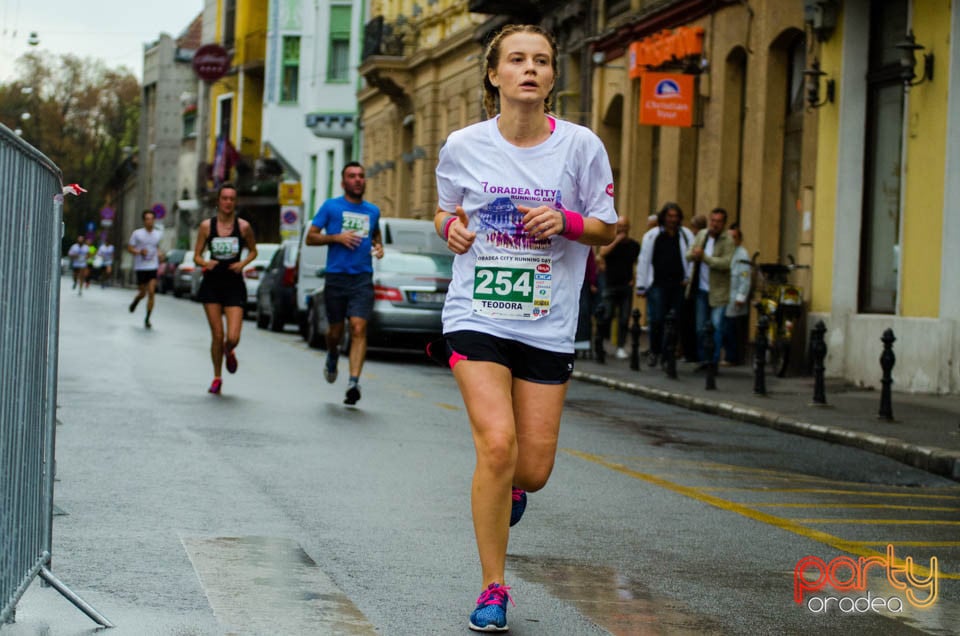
(908, 61)
(813, 75)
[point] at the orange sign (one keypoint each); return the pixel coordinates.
(665, 46)
(666, 99)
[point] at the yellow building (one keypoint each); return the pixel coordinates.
(750, 147)
(887, 186)
(235, 105)
(422, 72)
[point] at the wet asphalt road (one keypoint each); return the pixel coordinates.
(275, 509)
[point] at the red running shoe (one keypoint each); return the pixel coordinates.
(231, 362)
(215, 386)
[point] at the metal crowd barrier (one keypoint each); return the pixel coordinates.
(31, 210)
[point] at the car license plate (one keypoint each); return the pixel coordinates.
(427, 297)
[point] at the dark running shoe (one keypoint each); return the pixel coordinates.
(519, 505)
(330, 369)
(491, 612)
(133, 305)
(231, 362)
(215, 386)
(353, 395)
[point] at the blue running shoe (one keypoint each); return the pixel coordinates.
(491, 612)
(519, 505)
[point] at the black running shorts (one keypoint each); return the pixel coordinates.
(144, 276)
(220, 286)
(524, 361)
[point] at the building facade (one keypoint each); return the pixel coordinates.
(310, 100)
(234, 118)
(886, 215)
(165, 165)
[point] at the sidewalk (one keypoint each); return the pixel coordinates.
(925, 432)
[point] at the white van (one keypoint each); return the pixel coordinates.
(415, 235)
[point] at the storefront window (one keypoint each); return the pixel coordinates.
(880, 239)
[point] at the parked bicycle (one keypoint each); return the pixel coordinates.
(782, 302)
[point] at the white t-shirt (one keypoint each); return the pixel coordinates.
(704, 268)
(140, 239)
(509, 284)
(78, 255)
(106, 253)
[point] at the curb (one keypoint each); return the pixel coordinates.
(932, 459)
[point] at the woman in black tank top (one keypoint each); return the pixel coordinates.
(223, 292)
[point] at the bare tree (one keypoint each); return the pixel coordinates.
(81, 114)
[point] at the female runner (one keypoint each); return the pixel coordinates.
(522, 197)
(223, 292)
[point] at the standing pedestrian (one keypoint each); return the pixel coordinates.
(619, 264)
(144, 245)
(505, 185)
(78, 263)
(222, 290)
(663, 271)
(738, 307)
(106, 253)
(687, 326)
(713, 249)
(351, 227)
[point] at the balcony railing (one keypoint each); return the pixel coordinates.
(254, 51)
(383, 38)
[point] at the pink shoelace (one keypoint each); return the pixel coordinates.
(516, 493)
(494, 594)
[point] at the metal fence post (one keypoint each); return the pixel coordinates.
(760, 356)
(670, 344)
(887, 360)
(709, 348)
(600, 352)
(818, 350)
(635, 331)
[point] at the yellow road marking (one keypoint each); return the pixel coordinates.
(845, 505)
(895, 522)
(913, 544)
(449, 407)
(829, 491)
(788, 525)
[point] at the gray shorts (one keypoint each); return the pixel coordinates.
(348, 296)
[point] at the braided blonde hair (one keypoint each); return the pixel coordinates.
(492, 58)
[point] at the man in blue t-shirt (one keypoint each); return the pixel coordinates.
(351, 228)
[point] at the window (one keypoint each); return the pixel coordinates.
(290, 69)
(190, 122)
(338, 64)
(229, 23)
(225, 116)
(880, 236)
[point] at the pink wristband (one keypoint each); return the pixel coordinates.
(574, 223)
(446, 227)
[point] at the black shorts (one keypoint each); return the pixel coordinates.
(348, 296)
(524, 361)
(144, 276)
(220, 286)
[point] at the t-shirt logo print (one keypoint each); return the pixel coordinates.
(503, 225)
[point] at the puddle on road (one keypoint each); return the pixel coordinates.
(269, 585)
(612, 601)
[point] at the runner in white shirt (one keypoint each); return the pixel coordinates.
(522, 197)
(144, 245)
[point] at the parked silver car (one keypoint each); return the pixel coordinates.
(254, 270)
(409, 289)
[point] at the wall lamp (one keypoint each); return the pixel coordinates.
(813, 75)
(908, 61)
